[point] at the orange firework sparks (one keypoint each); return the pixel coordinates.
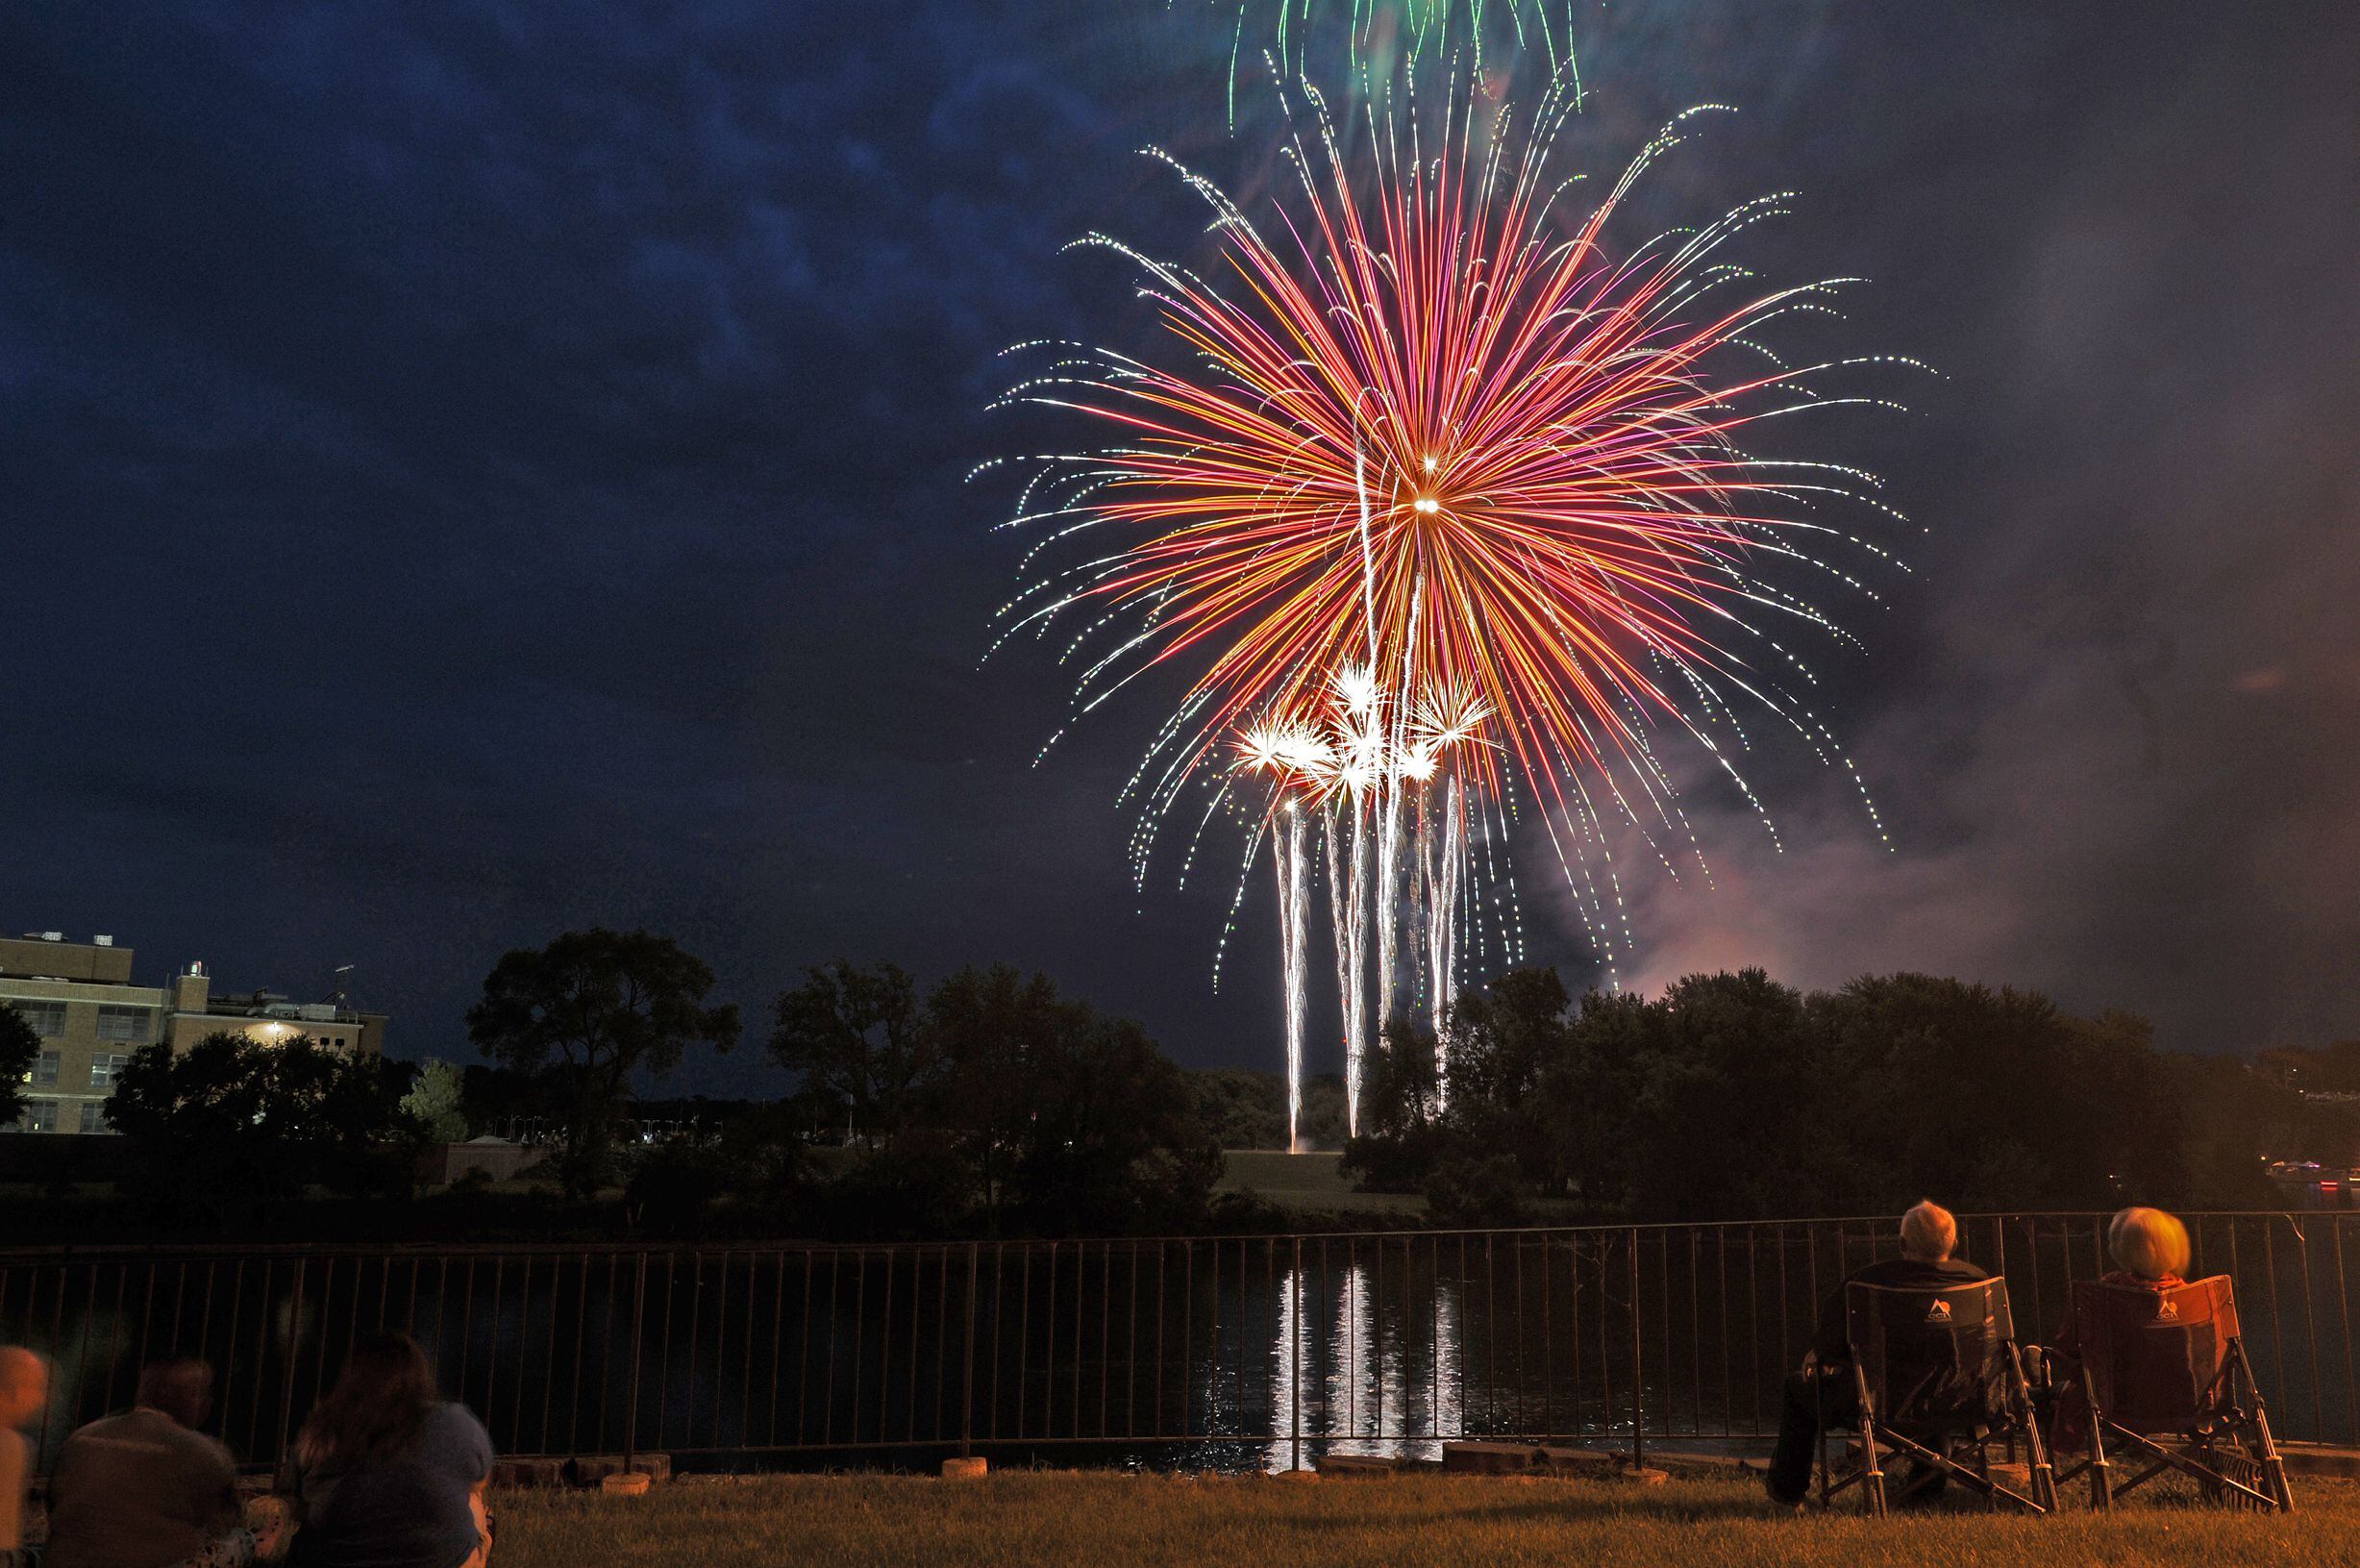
(1436, 432)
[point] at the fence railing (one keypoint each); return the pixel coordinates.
(1238, 1351)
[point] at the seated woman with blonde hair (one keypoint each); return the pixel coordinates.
(2150, 1251)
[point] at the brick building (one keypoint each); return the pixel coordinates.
(80, 1000)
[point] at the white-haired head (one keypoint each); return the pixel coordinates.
(1929, 1232)
(2149, 1243)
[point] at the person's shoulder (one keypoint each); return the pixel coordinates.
(1964, 1272)
(200, 1445)
(454, 1415)
(451, 1424)
(1885, 1271)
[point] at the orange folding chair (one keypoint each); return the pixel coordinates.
(2171, 1364)
(1937, 1379)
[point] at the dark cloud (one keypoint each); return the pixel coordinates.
(475, 469)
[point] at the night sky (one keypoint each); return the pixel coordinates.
(470, 471)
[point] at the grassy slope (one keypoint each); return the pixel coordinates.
(1309, 1182)
(1023, 1520)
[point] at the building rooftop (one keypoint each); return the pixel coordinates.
(46, 955)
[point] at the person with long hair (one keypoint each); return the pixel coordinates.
(389, 1473)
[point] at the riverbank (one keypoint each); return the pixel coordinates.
(1019, 1520)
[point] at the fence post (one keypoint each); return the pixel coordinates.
(966, 1404)
(295, 1346)
(1638, 1377)
(1294, 1424)
(631, 1410)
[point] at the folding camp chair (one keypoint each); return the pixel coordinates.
(2172, 1364)
(1937, 1379)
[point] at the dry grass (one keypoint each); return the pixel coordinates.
(1023, 1520)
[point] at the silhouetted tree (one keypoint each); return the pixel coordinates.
(1586, 1098)
(20, 1046)
(1068, 1117)
(1244, 1108)
(231, 1124)
(584, 1014)
(997, 1035)
(855, 1039)
(1116, 1143)
(1401, 1135)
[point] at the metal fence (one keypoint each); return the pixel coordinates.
(1241, 1351)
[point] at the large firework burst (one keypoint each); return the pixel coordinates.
(1437, 437)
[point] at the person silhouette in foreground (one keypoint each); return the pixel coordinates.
(147, 1488)
(1821, 1392)
(24, 1390)
(389, 1473)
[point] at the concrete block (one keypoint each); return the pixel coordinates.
(625, 1484)
(969, 1469)
(591, 1469)
(525, 1474)
(1489, 1458)
(1581, 1462)
(1357, 1466)
(2319, 1459)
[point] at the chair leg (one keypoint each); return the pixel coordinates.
(2101, 1479)
(1827, 1480)
(2036, 1453)
(2273, 1468)
(1873, 1475)
(2265, 1447)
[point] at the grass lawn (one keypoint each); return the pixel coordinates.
(1306, 1182)
(1027, 1519)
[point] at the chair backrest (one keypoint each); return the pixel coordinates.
(2158, 1360)
(1933, 1357)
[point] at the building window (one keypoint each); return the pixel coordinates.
(45, 1070)
(117, 1023)
(40, 1116)
(105, 1065)
(47, 1018)
(94, 1116)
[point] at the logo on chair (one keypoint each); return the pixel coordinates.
(1939, 1313)
(2166, 1311)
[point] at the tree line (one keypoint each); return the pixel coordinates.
(1731, 1097)
(991, 1102)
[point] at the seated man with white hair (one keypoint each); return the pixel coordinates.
(1928, 1232)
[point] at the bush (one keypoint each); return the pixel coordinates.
(672, 1187)
(1477, 1192)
